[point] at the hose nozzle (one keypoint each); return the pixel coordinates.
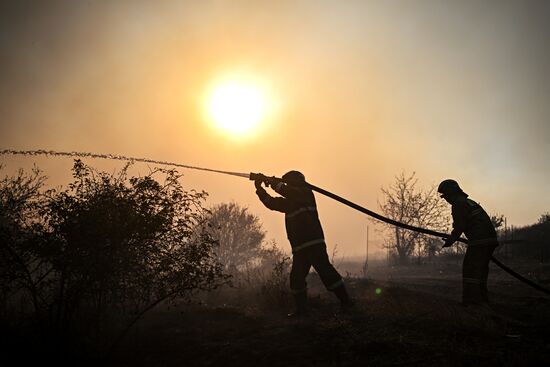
(268, 181)
(256, 176)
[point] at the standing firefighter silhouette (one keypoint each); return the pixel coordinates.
(305, 235)
(470, 218)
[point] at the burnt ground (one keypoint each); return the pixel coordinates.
(415, 319)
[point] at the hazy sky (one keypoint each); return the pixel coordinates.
(364, 90)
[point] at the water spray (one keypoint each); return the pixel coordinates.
(117, 157)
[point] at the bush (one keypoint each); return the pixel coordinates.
(109, 247)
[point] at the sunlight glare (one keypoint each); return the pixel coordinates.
(237, 107)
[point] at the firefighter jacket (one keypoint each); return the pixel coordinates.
(302, 223)
(472, 220)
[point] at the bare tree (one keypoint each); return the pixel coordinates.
(404, 202)
(498, 220)
(239, 233)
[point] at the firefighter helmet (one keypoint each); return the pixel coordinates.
(449, 187)
(294, 177)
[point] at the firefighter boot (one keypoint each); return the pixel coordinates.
(345, 300)
(300, 304)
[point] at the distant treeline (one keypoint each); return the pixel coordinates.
(531, 242)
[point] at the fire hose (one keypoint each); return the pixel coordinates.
(255, 176)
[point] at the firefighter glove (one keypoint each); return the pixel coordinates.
(273, 181)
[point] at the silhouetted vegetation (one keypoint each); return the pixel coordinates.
(405, 202)
(240, 236)
(531, 242)
(80, 265)
(259, 270)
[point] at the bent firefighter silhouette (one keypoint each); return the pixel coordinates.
(472, 220)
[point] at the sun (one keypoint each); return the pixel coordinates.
(237, 106)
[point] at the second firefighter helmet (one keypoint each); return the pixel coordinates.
(449, 188)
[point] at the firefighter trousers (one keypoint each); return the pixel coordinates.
(315, 256)
(475, 270)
